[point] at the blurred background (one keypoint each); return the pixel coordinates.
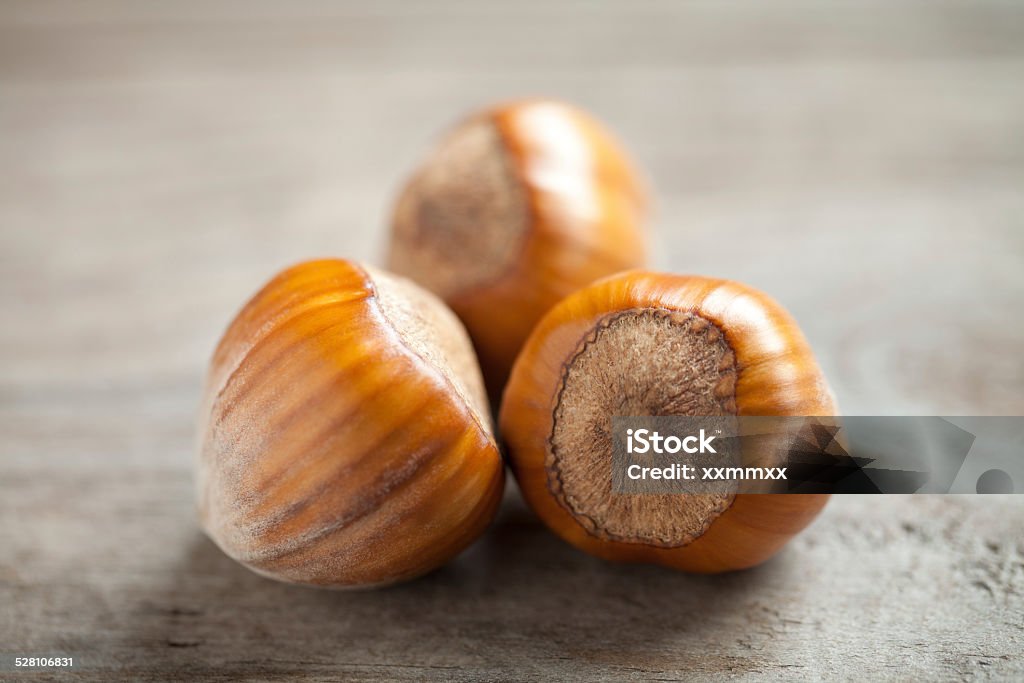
(863, 162)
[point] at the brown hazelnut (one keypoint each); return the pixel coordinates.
(642, 343)
(517, 207)
(345, 436)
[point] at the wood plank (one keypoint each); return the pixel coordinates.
(860, 161)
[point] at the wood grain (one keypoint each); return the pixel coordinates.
(862, 162)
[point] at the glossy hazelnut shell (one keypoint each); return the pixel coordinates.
(333, 452)
(777, 375)
(585, 207)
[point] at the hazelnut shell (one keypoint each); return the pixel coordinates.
(345, 437)
(519, 206)
(767, 369)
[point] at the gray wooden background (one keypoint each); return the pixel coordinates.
(861, 161)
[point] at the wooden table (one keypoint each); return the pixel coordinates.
(861, 161)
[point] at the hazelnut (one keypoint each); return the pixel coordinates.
(519, 206)
(642, 343)
(345, 436)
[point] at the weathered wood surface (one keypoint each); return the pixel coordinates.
(863, 162)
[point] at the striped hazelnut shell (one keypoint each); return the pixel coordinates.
(518, 206)
(345, 438)
(644, 343)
